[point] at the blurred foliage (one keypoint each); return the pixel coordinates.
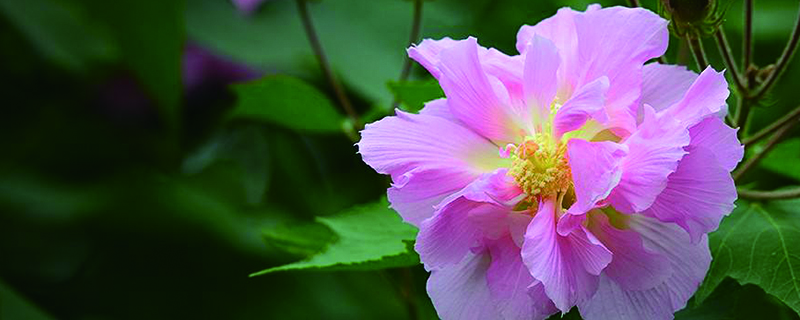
(146, 173)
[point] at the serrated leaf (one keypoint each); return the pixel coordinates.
(286, 101)
(785, 152)
(413, 94)
(368, 237)
(298, 238)
(758, 244)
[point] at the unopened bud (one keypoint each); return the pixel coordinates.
(693, 18)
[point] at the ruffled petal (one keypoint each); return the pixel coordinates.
(415, 193)
(396, 145)
(595, 172)
(479, 101)
(715, 136)
(689, 262)
(460, 222)
(653, 154)
(585, 104)
(634, 267)
(697, 196)
(568, 266)
(514, 292)
(427, 53)
(705, 97)
(664, 85)
(541, 65)
(460, 291)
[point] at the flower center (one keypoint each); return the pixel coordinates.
(540, 167)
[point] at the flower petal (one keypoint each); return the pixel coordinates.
(664, 85)
(396, 145)
(427, 53)
(697, 196)
(689, 262)
(705, 97)
(515, 293)
(415, 193)
(438, 108)
(596, 171)
(541, 65)
(460, 291)
(478, 101)
(585, 104)
(653, 153)
(713, 134)
(567, 266)
(634, 267)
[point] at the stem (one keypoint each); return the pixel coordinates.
(727, 55)
(782, 63)
(747, 46)
(634, 3)
(415, 27)
(794, 115)
(323, 62)
(696, 45)
(769, 195)
(412, 38)
(751, 163)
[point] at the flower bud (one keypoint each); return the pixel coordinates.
(693, 18)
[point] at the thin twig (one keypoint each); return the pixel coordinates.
(747, 46)
(634, 3)
(753, 161)
(793, 115)
(412, 38)
(769, 195)
(699, 53)
(783, 62)
(727, 55)
(323, 63)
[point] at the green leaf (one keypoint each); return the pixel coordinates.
(14, 306)
(413, 94)
(784, 153)
(60, 31)
(287, 101)
(368, 237)
(298, 238)
(758, 244)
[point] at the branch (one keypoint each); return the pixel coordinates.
(696, 45)
(727, 55)
(747, 46)
(769, 195)
(634, 3)
(416, 23)
(323, 62)
(782, 63)
(793, 115)
(752, 162)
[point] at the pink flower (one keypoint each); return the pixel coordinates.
(571, 174)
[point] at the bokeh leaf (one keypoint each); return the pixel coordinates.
(368, 237)
(14, 306)
(413, 94)
(286, 101)
(758, 244)
(786, 152)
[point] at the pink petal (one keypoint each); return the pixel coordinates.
(595, 172)
(616, 42)
(460, 222)
(688, 261)
(634, 267)
(697, 196)
(478, 101)
(653, 153)
(567, 266)
(705, 97)
(664, 85)
(396, 145)
(438, 108)
(460, 291)
(427, 53)
(541, 65)
(714, 135)
(415, 193)
(585, 104)
(514, 292)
